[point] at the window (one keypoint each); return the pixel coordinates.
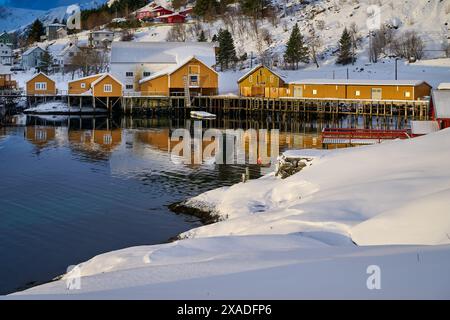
(407, 94)
(147, 74)
(107, 88)
(83, 85)
(315, 92)
(193, 79)
(129, 74)
(40, 86)
(358, 93)
(107, 139)
(129, 87)
(193, 69)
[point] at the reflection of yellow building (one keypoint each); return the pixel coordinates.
(93, 140)
(40, 136)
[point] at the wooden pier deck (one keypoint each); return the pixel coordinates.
(236, 105)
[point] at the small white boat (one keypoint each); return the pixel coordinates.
(202, 115)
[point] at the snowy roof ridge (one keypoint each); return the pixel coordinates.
(38, 74)
(256, 68)
(169, 71)
(93, 84)
(360, 82)
(88, 77)
(30, 50)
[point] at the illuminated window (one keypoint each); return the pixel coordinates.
(358, 93)
(407, 94)
(315, 92)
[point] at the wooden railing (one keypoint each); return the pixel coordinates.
(351, 136)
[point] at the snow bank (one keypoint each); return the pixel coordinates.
(313, 235)
(60, 108)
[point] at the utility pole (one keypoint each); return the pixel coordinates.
(348, 75)
(396, 68)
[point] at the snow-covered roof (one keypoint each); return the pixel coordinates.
(161, 52)
(361, 82)
(171, 15)
(441, 104)
(40, 73)
(171, 70)
(88, 77)
(424, 127)
(5, 69)
(256, 68)
(444, 86)
(93, 84)
(30, 50)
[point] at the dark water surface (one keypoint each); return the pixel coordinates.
(74, 188)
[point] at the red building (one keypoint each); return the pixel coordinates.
(440, 107)
(172, 18)
(152, 12)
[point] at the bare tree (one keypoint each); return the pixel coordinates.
(177, 33)
(314, 43)
(409, 46)
(89, 61)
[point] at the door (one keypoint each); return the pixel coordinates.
(377, 94)
(298, 92)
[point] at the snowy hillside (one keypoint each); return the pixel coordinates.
(14, 18)
(313, 235)
(18, 19)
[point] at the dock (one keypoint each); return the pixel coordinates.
(335, 136)
(238, 105)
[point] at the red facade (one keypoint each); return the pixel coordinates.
(152, 13)
(176, 18)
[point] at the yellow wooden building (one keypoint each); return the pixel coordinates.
(193, 74)
(6, 81)
(393, 90)
(41, 85)
(82, 86)
(262, 82)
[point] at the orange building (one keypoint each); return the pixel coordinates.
(394, 90)
(41, 85)
(262, 82)
(6, 81)
(192, 74)
(83, 85)
(107, 86)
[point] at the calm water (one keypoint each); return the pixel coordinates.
(74, 188)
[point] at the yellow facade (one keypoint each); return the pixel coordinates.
(41, 84)
(6, 82)
(262, 82)
(107, 87)
(82, 86)
(359, 92)
(199, 77)
(156, 87)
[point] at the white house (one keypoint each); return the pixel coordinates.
(101, 38)
(133, 61)
(32, 57)
(64, 57)
(6, 55)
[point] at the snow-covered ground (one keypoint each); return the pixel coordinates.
(58, 107)
(318, 234)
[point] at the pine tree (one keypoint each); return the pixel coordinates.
(296, 50)
(227, 50)
(37, 30)
(345, 49)
(204, 7)
(214, 38)
(46, 62)
(202, 37)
